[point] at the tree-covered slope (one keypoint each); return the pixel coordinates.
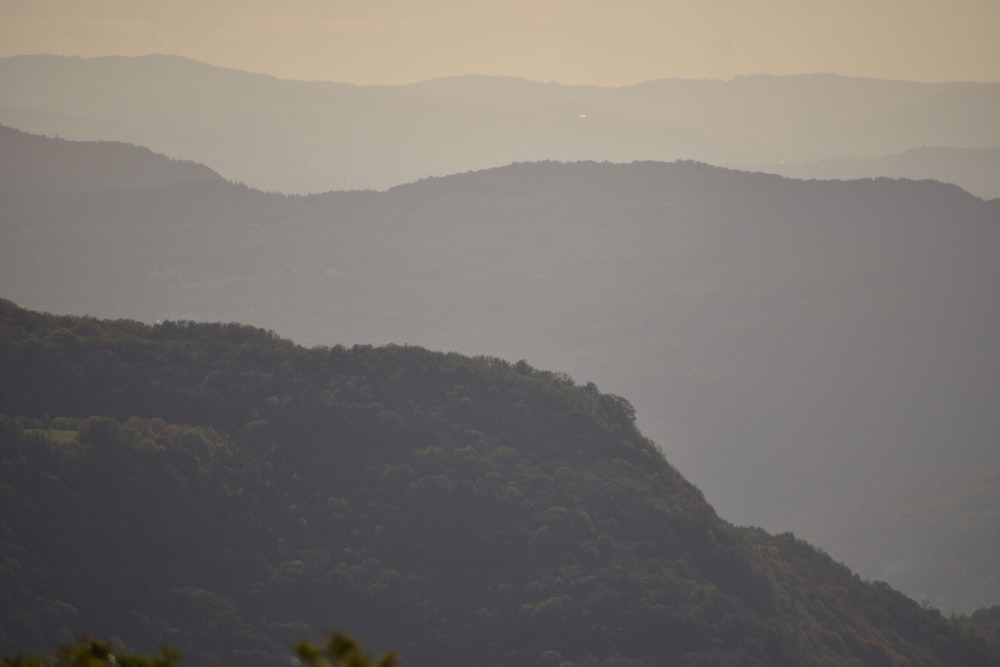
(225, 491)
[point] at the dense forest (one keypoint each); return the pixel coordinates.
(222, 490)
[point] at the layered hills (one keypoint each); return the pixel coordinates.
(223, 490)
(977, 170)
(816, 356)
(300, 137)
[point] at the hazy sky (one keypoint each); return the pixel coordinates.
(570, 41)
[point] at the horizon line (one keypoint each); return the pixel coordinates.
(511, 77)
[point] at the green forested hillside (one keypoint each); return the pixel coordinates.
(227, 492)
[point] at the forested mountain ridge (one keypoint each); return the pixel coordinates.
(301, 137)
(815, 355)
(226, 491)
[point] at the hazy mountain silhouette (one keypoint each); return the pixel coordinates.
(815, 355)
(298, 137)
(977, 170)
(77, 167)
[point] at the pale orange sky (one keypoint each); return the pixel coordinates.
(600, 42)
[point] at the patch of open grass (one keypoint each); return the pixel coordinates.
(55, 435)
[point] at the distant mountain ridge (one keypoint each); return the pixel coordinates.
(801, 349)
(300, 137)
(976, 169)
(83, 166)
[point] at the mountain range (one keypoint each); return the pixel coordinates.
(307, 137)
(816, 356)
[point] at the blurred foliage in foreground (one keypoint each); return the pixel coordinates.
(340, 650)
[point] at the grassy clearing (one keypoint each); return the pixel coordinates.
(55, 435)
